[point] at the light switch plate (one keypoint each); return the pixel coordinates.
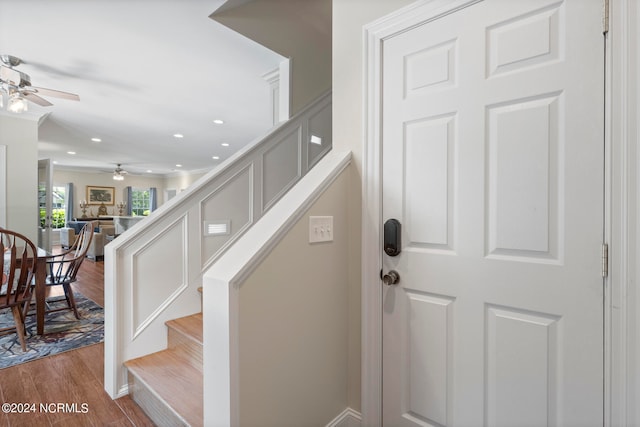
(320, 229)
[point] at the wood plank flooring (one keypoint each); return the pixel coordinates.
(73, 379)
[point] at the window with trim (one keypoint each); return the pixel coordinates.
(140, 202)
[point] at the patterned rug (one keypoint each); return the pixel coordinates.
(62, 332)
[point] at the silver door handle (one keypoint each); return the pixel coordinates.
(391, 278)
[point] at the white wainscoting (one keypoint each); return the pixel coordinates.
(153, 270)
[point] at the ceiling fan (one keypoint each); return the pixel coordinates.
(119, 173)
(17, 85)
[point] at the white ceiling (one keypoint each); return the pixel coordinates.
(144, 70)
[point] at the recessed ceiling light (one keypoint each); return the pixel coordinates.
(96, 140)
(149, 171)
(224, 144)
(178, 166)
(71, 152)
(216, 157)
(178, 135)
(218, 121)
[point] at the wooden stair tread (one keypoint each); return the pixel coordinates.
(189, 326)
(174, 380)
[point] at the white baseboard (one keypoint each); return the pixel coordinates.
(123, 391)
(348, 418)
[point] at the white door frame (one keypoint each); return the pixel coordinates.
(622, 228)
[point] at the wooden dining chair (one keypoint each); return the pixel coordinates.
(18, 272)
(62, 268)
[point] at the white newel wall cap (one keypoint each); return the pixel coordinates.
(247, 253)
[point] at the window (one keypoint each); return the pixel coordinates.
(57, 207)
(140, 202)
(58, 211)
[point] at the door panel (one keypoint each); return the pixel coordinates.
(492, 135)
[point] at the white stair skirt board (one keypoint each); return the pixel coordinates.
(347, 418)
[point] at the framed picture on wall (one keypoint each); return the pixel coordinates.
(100, 195)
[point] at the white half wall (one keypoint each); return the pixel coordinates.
(293, 312)
(276, 311)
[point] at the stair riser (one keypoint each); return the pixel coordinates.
(155, 409)
(167, 384)
(177, 339)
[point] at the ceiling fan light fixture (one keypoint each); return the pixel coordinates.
(118, 177)
(17, 104)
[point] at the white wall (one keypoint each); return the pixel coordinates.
(20, 135)
(349, 16)
(292, 325)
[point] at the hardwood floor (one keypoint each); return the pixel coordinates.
(67, 389)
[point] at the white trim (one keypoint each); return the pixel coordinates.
(273, 79)
(622, 227)
(347, 418)
(284, 91)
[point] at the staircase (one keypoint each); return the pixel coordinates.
(153, 269)
(167, 384)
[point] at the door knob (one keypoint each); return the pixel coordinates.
(391, 278)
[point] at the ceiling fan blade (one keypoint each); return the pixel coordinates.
(56, 93)
(10, 75)
(36, 99)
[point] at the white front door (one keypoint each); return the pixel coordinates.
(492, 135)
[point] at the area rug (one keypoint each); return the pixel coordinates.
(62, 332)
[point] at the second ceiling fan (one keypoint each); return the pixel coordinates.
(119, 173)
